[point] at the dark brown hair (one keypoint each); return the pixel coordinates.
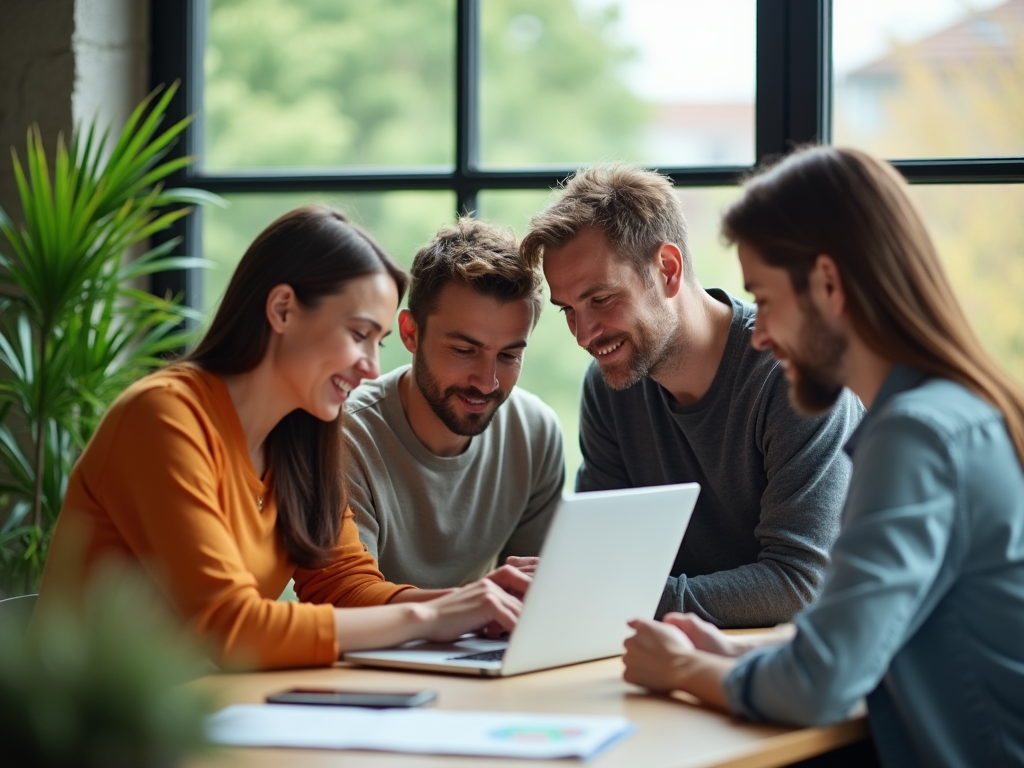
(637, 210)
(315, 250)
(855, 209)
(476, 254)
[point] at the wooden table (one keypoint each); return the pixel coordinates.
(671, 730)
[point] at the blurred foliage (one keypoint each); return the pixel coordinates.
(971, 103)
(100, 686)
(329, 82)
(551, 88)
(74, 328)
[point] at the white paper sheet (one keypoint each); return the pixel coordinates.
(427, 731)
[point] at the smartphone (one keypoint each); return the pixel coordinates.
(335, 698)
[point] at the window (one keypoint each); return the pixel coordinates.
(405, 111)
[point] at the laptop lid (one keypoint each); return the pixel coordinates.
(604, 561)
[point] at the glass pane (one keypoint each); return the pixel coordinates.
(660, 82)
(979, 234)
(303, 83)
(929, 78)
(400, 221)
(554, 364)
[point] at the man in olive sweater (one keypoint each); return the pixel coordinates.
(677, 394)
(451, 467)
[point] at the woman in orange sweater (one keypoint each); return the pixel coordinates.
(222, 475)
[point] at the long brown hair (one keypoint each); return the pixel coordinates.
(315, 250)
(855, 208)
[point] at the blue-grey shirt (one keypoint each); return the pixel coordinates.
(922, 609)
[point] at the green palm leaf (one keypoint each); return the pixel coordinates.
(75, 331)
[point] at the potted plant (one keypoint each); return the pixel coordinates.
(75, 328)
(100, 685)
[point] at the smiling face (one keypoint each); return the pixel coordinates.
(614, 315)
(468, 355)
(321, 353)
(797, 334)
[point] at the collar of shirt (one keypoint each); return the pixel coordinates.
(900, 379)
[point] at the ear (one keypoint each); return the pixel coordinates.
(669, 266)
(826, 286)
(408, 330)
(280, 307)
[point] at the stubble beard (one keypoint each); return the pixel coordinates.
(816, 383)
(653, 352)
(440, 402)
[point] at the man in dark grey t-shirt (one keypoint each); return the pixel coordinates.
(677, 394)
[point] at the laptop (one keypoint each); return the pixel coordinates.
(605, 561)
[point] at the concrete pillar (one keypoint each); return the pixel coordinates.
(37, 78)
(61, 63)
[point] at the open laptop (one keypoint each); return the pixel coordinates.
(604, 561)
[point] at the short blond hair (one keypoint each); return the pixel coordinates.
(636, 209)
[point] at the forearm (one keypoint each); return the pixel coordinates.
(701, 674)
(378, 626)
(747, 641)
(418, 595)
(724, 598)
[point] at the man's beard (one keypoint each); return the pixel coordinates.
(816, 383)
(440, 402)
(649, 355)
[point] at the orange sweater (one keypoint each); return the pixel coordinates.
(166, 482)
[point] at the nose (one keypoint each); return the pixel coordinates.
(585, 328)
(369, 364)
(485, 374)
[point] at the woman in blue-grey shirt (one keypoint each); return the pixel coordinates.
(922, 610)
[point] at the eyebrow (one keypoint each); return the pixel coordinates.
(456, 336)
(371, 321)
(587, 293)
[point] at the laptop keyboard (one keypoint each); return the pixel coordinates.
(484, 656)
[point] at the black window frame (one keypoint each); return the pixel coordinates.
(793, 106)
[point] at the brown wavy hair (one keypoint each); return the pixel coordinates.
(855, 208)
(315, 250)
(476, 254)
(636, 209)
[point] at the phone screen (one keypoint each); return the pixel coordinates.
(337, 698)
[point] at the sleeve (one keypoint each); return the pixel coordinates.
(351, 579)
(898, 530)
(807, 478)
(168, 506)
(603, 468)
(360, 497)
(527, 538)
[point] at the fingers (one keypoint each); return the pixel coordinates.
(480, 604)
(689, 623)
(524, 564)
(644, 659)
(703, 634)
(500, 610)
(511, 579)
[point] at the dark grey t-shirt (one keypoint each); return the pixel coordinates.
(772, 483)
